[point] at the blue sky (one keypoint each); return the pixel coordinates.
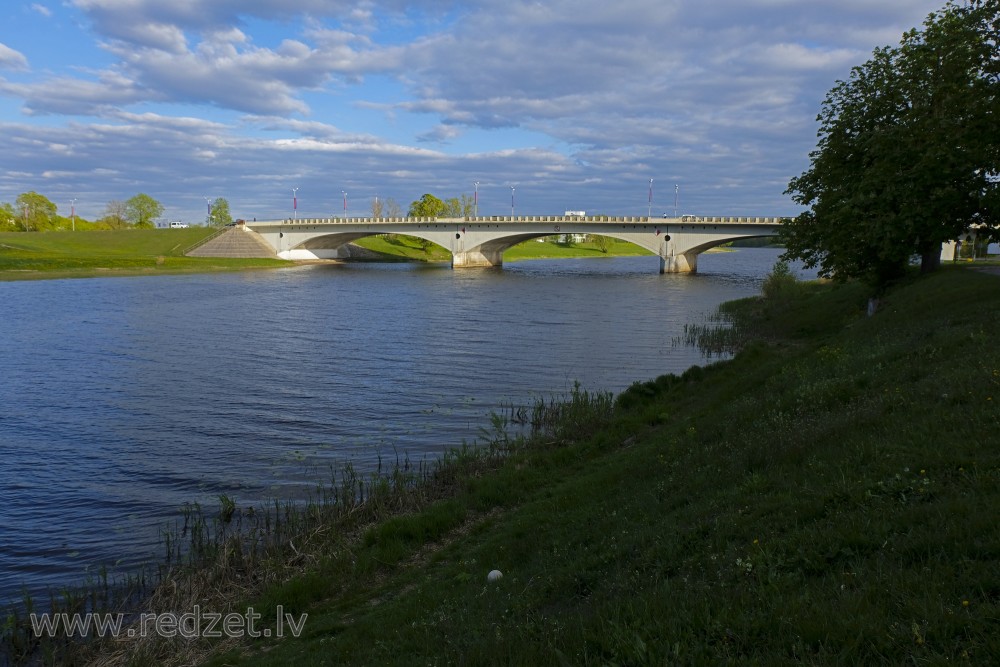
(575, 103)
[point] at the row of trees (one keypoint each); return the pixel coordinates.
(428, 206)
(908, 154)
(33, 212)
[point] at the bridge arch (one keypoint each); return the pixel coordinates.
(683, 250)
(482, 241)
(503, 244)
(328, 246)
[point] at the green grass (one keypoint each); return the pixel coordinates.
(396, 247)
(408, 248)
(69, 254)
(829, 496)
(131, 252)
(547, 250)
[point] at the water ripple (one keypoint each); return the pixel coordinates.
(123, 399)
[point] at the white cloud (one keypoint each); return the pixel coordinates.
(42, 9)
(720, 97)
(11, 59)
(72, 96)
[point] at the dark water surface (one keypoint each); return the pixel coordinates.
(123, 398)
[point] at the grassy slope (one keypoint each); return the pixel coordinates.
(82, 253)
(406, 247)
(830, 496)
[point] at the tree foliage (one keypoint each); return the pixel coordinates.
(35, 211)
(142, 211)
(601, 242)
(219, 214)
(460, 207)
(908, 152)
(427, 206)
(432, 207)
(8, 218)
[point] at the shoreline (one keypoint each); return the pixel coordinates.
(15, 275)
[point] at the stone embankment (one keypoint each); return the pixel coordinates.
(235, 242)
(241, 242)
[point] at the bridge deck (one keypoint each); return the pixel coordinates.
(558, 219)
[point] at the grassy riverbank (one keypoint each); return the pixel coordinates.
(25, 256)
(125, 252)
(827, 497)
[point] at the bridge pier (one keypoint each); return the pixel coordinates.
(683, 263)
(476, 258)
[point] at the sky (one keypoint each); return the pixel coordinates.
(557, 105)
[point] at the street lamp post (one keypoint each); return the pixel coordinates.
(476, 199)
(676, 192)
(208, 210)
(512, 201)
(295, 203)
(344, 192)
(72, 212)
(649, 210)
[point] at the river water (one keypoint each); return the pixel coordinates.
(123, 398)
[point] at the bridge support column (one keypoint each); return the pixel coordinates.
(476, 258)
(683, 263)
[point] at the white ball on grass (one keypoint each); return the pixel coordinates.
(494, 575)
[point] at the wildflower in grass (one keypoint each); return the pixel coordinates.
(965, 603)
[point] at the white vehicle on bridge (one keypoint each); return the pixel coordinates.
(179, 225)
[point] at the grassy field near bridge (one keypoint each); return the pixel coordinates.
(409, 248)
(125, 252)
(827, 497)
(141, 252)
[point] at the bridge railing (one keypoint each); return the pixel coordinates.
(558, 219)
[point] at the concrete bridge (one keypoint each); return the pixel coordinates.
(481, 241)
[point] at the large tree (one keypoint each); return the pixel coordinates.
(460, 207)
(219, 214)
(427, 206)
(142, 211)
(908, 152)
(35, 211)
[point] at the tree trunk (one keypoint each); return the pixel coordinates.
(930, 260)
